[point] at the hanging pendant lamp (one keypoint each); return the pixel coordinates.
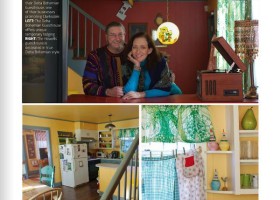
(168, 32)
(110, 126)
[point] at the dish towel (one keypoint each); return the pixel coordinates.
(190, 172)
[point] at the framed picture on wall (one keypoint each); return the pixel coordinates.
(134, 28)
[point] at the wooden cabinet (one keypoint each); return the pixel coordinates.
(88, 136)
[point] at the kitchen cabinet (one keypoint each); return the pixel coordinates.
(235, 163)
(89, 136)
(65, 137)
(107, 139)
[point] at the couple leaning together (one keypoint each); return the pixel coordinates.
(129, 71)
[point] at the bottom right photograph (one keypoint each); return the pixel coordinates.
(199, 152)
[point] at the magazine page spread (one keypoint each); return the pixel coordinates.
(42, 65)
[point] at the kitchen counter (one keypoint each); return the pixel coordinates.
(111, 160)
(107, 165)
(93, 159)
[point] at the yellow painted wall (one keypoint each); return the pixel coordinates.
(218, 115)
(59, 125)
(75, 85)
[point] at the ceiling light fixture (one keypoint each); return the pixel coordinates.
(168, 32)
(110, 126)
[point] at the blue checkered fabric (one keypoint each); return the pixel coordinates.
(159, 178)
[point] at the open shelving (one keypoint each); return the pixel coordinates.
(234, 164)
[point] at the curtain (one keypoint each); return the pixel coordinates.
(171, 124)
(194, 124)
(227, 12)
(41, 138)
(159, 178)
(127, 136)
(128, 133)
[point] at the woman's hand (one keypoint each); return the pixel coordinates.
(134, 61)
(133, 95)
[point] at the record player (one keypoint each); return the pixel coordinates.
(218, 85)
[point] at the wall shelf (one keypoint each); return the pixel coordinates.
(248, 133)
(249, 191)
(249, 162)
(234, 165)
(220, 191)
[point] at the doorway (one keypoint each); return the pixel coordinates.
(36, 150)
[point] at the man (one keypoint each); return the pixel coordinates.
(102, 75)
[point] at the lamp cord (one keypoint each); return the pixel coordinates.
(167, 11)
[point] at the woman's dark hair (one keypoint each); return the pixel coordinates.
(152, 59)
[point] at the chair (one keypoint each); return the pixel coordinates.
(52, 194)
(47, 175)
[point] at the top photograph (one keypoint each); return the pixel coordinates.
(140, 51)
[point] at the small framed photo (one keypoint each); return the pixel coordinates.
(134, 28)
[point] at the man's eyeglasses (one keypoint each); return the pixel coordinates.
(116, 35)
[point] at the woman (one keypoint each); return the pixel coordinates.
(146, 73)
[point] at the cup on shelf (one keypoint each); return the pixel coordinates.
(255, 150)
(245, 181)
(243, 147)
(255, 181)
(248, 149)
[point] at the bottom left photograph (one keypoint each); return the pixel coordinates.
(80, 152)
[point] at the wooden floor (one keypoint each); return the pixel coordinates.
(83, 192)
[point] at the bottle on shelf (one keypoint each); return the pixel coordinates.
(212, 144)
(224, 144)
(215, 183)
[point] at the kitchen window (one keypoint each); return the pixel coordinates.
(126, 137)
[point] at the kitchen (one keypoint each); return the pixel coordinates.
(83, 128)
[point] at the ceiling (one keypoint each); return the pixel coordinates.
(84, 113)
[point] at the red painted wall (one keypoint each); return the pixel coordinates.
(189, 54)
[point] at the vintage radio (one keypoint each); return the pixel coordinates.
(217, 85)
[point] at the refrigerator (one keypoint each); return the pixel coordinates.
(73, 164)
